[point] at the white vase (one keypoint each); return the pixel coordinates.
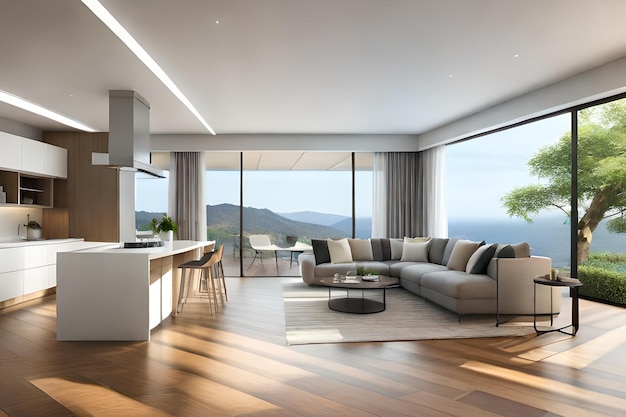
(167, 236)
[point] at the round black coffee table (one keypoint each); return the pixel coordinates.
(360, 304)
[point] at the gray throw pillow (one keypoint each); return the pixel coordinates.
(448, 250)
(320, 251)
(377, 249)
(386, 245)
(506, 251)
(479, 261)
(436, 249)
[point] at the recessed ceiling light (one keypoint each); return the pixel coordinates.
(449, 75)
(107, 18)
(217, 22)
(24, 104)
(516, 56)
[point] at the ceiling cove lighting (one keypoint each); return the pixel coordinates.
(16, 101)
(107, 18)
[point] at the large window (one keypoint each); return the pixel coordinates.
(494, 185)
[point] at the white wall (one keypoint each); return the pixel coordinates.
(11, 217)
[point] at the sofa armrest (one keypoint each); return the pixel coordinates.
(306, 261)
(516, 290)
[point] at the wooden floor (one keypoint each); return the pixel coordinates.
(237, 364)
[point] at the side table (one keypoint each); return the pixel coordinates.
(573, 285)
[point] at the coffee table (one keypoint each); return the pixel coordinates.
(360, 304)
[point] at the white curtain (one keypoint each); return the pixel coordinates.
(379, 196)
(187, 203)
(433, 170)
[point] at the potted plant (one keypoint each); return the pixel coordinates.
(165, 227)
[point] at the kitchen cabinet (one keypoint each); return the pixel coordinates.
(11, 155)
(32, 157)
(28, 268)
(26, 190)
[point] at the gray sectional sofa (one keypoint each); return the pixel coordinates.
(460, 275)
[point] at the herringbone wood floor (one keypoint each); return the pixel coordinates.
(237, 364)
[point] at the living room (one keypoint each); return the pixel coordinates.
(360, 78)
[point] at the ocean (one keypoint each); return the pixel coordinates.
(548, 236)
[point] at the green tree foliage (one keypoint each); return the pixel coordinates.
(601, 175)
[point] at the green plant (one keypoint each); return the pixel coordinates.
(361, 270)
(604, 277)
(164, 225)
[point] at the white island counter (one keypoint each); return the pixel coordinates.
(110, 293)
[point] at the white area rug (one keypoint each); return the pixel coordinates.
(407, 317)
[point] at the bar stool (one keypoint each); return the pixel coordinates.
(219, 272)
(206, 267)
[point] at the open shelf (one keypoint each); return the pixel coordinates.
(26, 190)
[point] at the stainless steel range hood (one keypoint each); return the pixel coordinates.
(129, 134)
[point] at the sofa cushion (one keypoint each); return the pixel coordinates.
(396, 249)
(522, 250)
(361, 249)
(414, 252)
(478, 262)
(380, 267)
(320, 250)
(377, 249)
(448, 250)
(339, 251)
(416, 239)
(462, 251)
(505, 251)
(436, 250)
(460, 285)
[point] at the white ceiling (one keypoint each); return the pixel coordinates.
(301, 66)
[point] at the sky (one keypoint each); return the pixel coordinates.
(478, 173)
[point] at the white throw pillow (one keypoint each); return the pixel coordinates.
(361, 249)
(415, 252)
(396, 249)
(461, 253)
(339, 251)
(415, 239)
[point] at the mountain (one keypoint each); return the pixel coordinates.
(314, 217)
(226, 216)
(363, 227)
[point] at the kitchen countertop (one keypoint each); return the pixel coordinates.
(169, 248)
(14, 243)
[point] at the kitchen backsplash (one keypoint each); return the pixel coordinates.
(11, 217)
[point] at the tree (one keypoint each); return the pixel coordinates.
(601, 175)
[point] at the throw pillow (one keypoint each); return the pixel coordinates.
(505, 251)
(522, 250)
(396, 249)
(414, 252)
(448, 250)
(377, 249)
(320, 251)
(461, 253)
(386, 245)
(339, 251)
(478, 262)
(361, 249)
(415, 239)
(436, 250)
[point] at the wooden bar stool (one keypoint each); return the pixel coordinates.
(206, 267)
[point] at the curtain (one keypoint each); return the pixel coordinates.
(409, 194)
(403, 203)
(379, 196)
(186, 199)
(434, 215)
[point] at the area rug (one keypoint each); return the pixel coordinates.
(308, 320)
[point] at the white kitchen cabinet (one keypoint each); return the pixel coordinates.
(11, 259)
(32, 156)
(11, 155)
(11, 285)
(55, 161)
(35, 279)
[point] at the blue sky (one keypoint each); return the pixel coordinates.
(478, 174)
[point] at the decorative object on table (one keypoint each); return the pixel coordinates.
(165, 227)
(368, 274)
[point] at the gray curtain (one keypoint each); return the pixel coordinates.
(404, 194)
(187, 200)
(409, 198)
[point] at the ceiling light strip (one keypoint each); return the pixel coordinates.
(107, 18)
(24, 104)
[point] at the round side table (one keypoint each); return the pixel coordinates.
(570, 283)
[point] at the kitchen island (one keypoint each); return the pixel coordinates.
(111, 293)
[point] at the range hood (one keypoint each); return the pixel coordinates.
(129, 134)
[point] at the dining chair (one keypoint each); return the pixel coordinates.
(260, 244)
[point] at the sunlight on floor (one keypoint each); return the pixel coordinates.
(93, 400)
